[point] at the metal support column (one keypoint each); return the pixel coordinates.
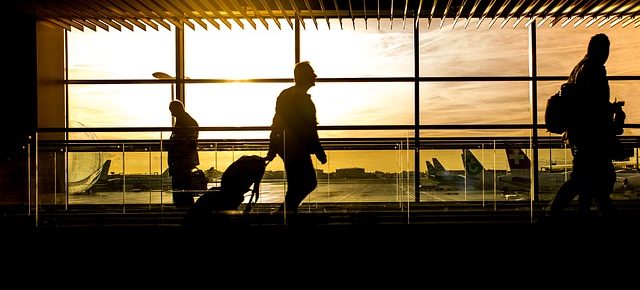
(533, 105)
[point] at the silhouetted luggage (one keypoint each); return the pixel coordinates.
(236, 181)
(197, 183)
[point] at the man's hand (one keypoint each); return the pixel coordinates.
(322, 157)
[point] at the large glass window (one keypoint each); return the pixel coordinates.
(240, 53)
(120, 106)
(474, 103)
(120, 54)
(359, 52)
(559, 50)
(472, 52)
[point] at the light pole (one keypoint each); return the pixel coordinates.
(164, 76)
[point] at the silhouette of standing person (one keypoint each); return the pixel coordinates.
(182, 153)
(591, 136)
(294, 137)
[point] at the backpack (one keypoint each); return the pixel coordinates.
(557, 114)
(236, 181)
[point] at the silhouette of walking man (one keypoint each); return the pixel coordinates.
(591, 136)
(294, 136)
(182, 153)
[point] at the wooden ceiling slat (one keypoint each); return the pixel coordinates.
(123, 22)
(283, 12)
(512, 14)
(324, 12)
(215, 12)
(378, 17)
(58, 23)
(391, 14)
(270, 12)
(485, 13)
(188, 11)
(353, 18)
(557, 11)
(609, 14)
(417, 16)
(160, 12)
(620, 15)
(502, 8)
(91, 6)
(631, 20)
(455, 20)
(145, 11)
(98, 23)
(242, 12)
(539, 13)
(201, 11)
(179, 16)
(526, 11)
(53, 8)
(315, 22)
(473, 10)
(444, 15)
(77, 17)
(256, 12)
(230, 13)
(593, 11)
(128, 15)
(191, 13)
(335, 4)
(433, 9)
(404, 15)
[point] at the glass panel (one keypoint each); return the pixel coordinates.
(472, 52)
(362, 52)
(120, 106)
(474, 103)
(240, 53)
(120, 54)
(336, 103)
(559, 50)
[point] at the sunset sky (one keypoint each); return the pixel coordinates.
(370, 52)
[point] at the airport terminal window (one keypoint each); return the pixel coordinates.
(239, 54)
(229, 54)
(120, 54)
(140, 105)
(367, 103)
(504, 102)
(472, 52)
(363, 52)
(559, 50)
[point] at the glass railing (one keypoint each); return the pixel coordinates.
(483, 175)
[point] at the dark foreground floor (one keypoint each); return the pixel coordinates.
(333, 242)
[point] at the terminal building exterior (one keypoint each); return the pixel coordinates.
(399, 83)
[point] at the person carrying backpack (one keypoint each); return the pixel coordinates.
(591, 135)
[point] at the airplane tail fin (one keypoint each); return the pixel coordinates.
(518, 160)
(431, 170)
(105, 171)
(438, 167)
(471, 163)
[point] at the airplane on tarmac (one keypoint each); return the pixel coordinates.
(85, 184)
(475, 171)
(519, 179)
(632, 179)
(444, 177)
(132, 182)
